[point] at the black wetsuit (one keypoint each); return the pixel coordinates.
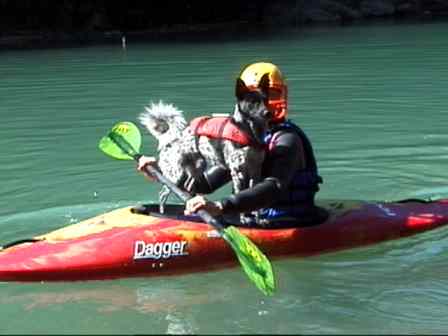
(279, 169)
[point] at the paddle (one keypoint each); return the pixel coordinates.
(123, 142)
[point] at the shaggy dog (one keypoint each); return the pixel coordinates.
(184, 152)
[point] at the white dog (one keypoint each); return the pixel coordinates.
(235, 143)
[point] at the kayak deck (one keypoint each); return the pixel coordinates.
(121, 243)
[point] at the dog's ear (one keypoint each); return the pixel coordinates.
(264, 84)
(240, 89)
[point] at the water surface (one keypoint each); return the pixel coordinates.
(372, 98)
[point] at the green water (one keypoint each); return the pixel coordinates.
(374, 101)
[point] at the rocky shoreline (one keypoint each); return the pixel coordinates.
(298, 14)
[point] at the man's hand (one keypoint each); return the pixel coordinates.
(143, 162)
(201, 203)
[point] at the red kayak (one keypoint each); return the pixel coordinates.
(122, 243)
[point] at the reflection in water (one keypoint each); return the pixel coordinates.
(169, 306)
(143, 299)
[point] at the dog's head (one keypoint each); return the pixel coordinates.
(251, 111)
(164, 121)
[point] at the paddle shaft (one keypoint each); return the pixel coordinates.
(255, 264)
(183, 195)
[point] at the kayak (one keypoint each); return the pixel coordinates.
(141, 242)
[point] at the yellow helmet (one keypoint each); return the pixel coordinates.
(278, 90)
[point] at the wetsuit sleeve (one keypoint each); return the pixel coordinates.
(282, 163)
(212, 179)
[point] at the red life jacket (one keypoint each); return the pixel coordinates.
(219, 128)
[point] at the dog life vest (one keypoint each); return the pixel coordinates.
(299, 197)
(219, 128)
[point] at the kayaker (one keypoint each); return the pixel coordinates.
(285, 196)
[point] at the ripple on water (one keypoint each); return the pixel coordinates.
(395, 286)
(420, 306)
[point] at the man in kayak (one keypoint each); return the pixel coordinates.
(290, 179)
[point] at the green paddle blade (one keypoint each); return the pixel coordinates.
(123, 141)
(254, 262)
